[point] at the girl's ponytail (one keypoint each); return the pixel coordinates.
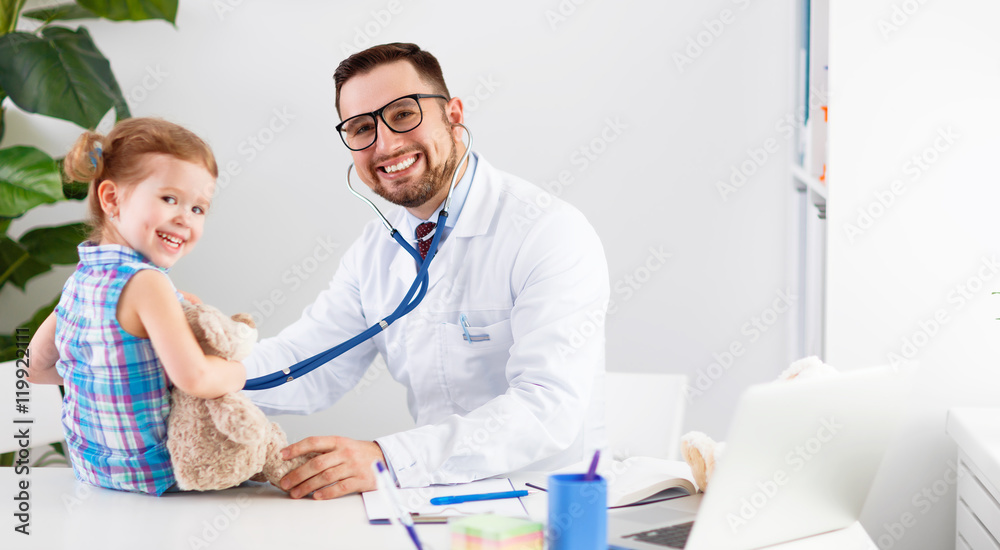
(85, 161)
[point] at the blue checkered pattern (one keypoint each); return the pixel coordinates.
(117, 393)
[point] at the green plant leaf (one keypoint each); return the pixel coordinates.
(39, 317)
(62, 12)
(58, 446)
(61, 74)
(10, 11)
(8, 342)
(72, 190)
(8, 348)
(75, 190)
(4, 224)
(28, 177)
(55, 244)
(17, 265)
(132, 10)
(3, 113)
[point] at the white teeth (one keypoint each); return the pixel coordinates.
(170, 239)
(401, 166)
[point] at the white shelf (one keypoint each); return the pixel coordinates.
(811, 182)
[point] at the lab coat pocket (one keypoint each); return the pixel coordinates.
(476, 371)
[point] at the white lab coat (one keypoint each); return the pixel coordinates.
(528, 270)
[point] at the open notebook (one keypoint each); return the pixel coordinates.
(417, 501)
(642, 480)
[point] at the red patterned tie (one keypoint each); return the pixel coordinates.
(425, 234)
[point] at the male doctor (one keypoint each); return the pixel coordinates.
(520, 271)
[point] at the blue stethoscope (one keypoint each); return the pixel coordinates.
(412, 299)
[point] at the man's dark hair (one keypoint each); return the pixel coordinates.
(362, 62)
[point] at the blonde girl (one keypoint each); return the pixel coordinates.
(118, 340)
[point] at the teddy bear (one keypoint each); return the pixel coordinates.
(220, 443)
(702, 453)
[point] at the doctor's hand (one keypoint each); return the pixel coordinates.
(343, 467)
(190, 297)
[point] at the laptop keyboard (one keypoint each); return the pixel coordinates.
(672, 537)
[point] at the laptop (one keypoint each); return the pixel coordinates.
(799, 461)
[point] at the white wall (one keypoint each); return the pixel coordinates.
(898, 80)
(541, 81)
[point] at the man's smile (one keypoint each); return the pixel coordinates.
(402, 165)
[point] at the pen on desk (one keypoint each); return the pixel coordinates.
(389, 489)
(458, 499)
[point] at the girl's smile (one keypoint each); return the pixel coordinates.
(163, 215)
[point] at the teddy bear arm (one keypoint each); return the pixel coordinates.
(238, 419)
(275, 467)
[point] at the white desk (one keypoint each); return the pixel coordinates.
(68, 514)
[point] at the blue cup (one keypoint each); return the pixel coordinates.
(578, 513)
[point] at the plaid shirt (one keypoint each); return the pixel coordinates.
(117, 393)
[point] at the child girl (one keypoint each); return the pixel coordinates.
(118, 339)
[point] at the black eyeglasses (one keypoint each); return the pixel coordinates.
(400, 115)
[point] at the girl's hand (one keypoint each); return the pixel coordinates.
(42, 354)
(190, 297)
(148, 308)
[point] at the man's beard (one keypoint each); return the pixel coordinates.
(433, 180)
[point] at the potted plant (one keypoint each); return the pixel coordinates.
(55, 71)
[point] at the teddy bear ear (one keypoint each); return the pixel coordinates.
(244, 318)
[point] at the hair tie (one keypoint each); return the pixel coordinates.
(93, 158)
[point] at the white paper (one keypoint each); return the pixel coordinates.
(417, 501)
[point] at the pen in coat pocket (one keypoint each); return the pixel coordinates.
(471, 338)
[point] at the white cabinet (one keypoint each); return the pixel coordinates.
(977, 512)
